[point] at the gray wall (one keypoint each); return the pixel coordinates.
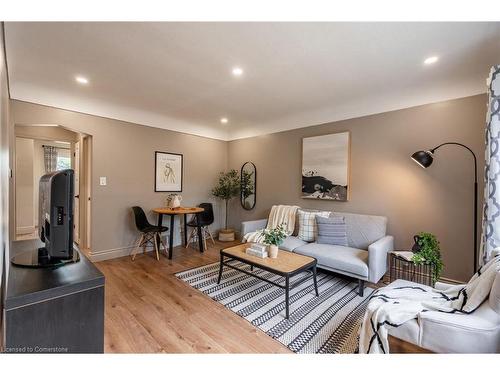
(124, 153)
(384, 180)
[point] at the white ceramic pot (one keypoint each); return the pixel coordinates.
(174, 201)
(273, 251)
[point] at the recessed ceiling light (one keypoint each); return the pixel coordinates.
(224, 120)
(81, 80)
(237, 71)
(431, 60)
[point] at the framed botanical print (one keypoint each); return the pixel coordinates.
(325, 167)
(168, 172)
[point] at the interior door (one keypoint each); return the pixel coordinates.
(76, 207)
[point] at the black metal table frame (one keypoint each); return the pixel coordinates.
(311, 267)
(171, 231)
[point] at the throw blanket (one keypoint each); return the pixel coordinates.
(281, 214)
(392, 307)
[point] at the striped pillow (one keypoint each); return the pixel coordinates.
(331, 230)
(307, 224)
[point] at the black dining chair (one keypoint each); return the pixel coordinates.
(206, 219)
(149, 233)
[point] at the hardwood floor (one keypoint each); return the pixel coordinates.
(148, 310)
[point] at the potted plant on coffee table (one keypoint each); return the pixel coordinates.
(274, 238)
(227, 188)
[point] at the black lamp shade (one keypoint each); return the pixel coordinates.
(423, 158)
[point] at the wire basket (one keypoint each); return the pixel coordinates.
(400, 268)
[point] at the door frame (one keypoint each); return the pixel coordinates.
(85, 224)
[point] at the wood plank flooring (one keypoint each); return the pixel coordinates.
(148, 310)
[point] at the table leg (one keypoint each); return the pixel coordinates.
(287, 296)
(221, 266)
(200, 235)
(171, 237)
(185, 231)
(315, 281)
(160, 223)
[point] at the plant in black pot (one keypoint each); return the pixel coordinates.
(427, 251)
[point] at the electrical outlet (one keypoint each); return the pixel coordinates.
(102, 181)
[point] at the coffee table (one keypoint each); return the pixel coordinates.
(287, 264)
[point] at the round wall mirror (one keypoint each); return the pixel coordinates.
(248, 185)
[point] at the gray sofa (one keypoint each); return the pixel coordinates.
(365, 257)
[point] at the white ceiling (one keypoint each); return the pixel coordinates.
(178, 75)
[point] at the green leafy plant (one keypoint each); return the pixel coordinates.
(275, 236)
(429, 254)
(247, 186)
(227, 188)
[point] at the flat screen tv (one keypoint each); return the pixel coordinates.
(55, 213)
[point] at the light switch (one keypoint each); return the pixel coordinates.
(102, 181)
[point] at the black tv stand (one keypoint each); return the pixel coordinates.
(39, 258)
(52, 309)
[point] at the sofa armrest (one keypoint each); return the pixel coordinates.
(377, 258)
(252, 226)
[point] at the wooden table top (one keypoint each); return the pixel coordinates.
(178, 211)
(286, 261)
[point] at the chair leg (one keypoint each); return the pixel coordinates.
(156, 246)
(144, 244)
(136, 248)
(190, 238)
(210, 234)
(163, 244)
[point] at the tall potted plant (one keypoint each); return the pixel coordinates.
(227, 188)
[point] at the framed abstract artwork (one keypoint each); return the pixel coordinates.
(168, 172)
(325, 167)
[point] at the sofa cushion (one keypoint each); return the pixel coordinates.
(363, 230)
(478, 332)
(307, 224)
(331, 230)
(291, 243)
(342, 258)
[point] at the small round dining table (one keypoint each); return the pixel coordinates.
(184, 211)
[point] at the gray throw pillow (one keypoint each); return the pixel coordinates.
(331, 230)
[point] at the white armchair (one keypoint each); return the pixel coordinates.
(478, 332)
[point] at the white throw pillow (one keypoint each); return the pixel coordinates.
(308, 229)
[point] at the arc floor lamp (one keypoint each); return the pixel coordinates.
(425, 159)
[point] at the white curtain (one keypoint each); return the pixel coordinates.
(50, 158)
(490, 238)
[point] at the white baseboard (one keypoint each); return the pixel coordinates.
(119, 252)
(25, 230)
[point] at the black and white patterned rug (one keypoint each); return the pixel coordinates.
(325, 324)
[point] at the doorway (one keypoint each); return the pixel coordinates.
(44, 149)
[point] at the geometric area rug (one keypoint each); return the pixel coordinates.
(325, 324)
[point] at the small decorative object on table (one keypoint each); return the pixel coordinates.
(422, 265)
(274, 238)
(174, 200)
(257, 249)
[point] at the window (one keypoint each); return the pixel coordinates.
(63, 159)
